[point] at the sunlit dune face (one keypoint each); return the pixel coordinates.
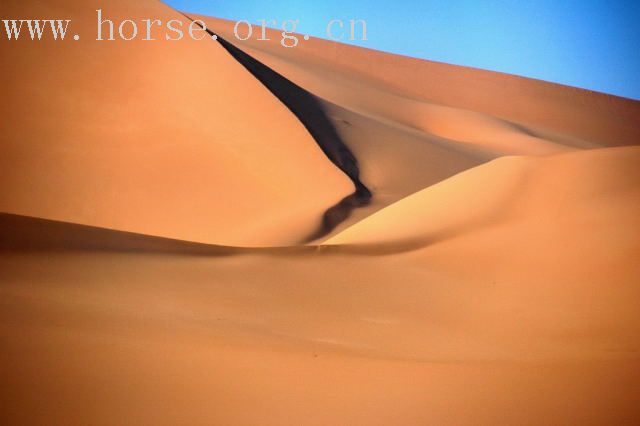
(153, 138)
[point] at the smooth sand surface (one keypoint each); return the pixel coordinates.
(152, 213)
(587, 115)
(166, 138)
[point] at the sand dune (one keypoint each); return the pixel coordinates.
(155, 199)
(414, 123)
(153, 137)
(578, 192)
(590, 116)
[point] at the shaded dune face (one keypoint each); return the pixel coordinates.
(307, 108)
(31, 234)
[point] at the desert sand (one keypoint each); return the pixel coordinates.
(156, 201)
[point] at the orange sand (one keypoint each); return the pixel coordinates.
(494, 279)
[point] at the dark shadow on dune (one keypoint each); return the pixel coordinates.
(24, 234)
(306, 107)
(27, 234)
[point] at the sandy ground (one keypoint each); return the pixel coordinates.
(151, 214)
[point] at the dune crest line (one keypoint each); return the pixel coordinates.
(306, 107)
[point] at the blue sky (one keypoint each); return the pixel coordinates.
(593, 44)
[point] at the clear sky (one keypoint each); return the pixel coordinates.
(593, 44)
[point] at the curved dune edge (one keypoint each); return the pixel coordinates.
(308, 109)
(158, 141)
(512, 191)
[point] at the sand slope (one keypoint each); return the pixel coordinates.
(590, 116)
(172, 139)
(578, 192)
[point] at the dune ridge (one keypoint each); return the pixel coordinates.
(152, 143)
(309, 111)
(424, 136)
(591, 116)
